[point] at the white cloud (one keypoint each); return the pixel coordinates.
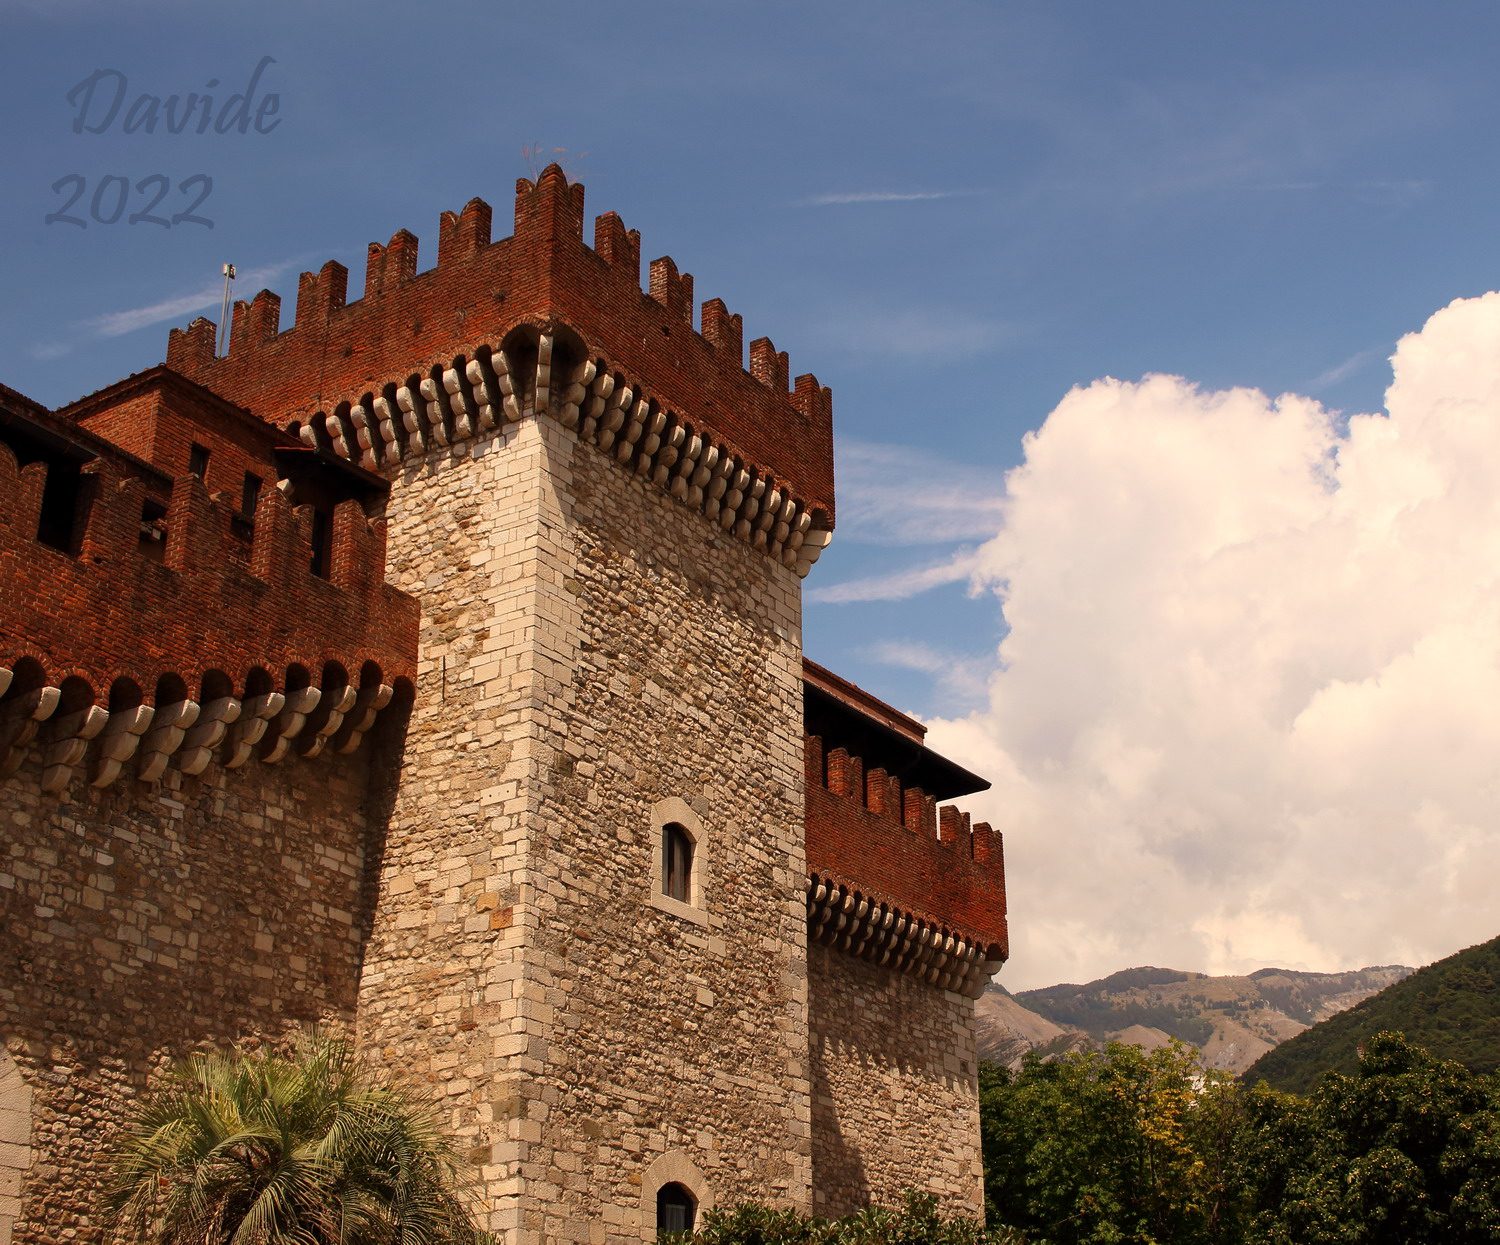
(1248, 707)
(1341, 372)
(961, 677)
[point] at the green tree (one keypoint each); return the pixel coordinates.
(1405, 1151)
(267, 1148)
(917, 1222)
(1119, 1147)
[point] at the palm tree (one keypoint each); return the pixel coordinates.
(306, 1148)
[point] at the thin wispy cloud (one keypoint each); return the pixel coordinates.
(900, 585)
(963, 679)
(118, 323)
(840, 197)
(931, 333)
(1340, 372)
(905, 495)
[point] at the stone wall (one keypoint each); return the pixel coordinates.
(15, 1142)
(895, 1088)
(139, 922)
(592, 653)
(443, 990)
(671, 1035)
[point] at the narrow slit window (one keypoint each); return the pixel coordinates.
(198, 460)
(322, 542)
(676, 863)
(250, 495)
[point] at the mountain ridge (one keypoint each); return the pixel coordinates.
(1232, 1020)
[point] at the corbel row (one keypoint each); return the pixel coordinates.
(99, 745)
(847, 920)
(604, 409)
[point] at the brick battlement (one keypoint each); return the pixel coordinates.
(409, 328)
(144, 597)
(897, 847)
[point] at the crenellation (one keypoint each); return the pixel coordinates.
(723, 331)
(462, 235)
(671, 290)
(320, 294)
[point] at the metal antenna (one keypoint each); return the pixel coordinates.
(223, 342)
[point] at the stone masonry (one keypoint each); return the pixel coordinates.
(379, 716)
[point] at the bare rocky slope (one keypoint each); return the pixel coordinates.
(1232, 1020)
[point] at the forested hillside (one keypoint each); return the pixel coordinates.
(1450, 1008)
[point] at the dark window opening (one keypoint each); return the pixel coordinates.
(198, 460)
(59, 513)
(250, 495)
(154, 530)
(676, 864)
(322, 542)
(676, 1209)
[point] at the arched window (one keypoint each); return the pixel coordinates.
(680, 881)
(676, 1209)
(676, 866)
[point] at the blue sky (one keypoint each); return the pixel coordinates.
(953, 213)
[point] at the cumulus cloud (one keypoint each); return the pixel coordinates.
(1247, 710)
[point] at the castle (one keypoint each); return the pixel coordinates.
(432, 668)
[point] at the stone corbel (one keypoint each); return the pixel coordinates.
(207, 734)
(543, 373)
(574, 395)
(255, 715)
(290, 721)
(343, 701)
(19, 721)
(118, 741)
(486, 392)
(434, 399)
(411, 417)
(366, 708)
(70, 735)
(168, 729)
(389, 417)
(461, 403)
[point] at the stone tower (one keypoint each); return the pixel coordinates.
(652, 907)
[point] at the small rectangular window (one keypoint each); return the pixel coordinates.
(198, 460)
(250, 495)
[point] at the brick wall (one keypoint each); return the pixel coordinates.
(208, 597)
(862, 828)
(406, 324)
